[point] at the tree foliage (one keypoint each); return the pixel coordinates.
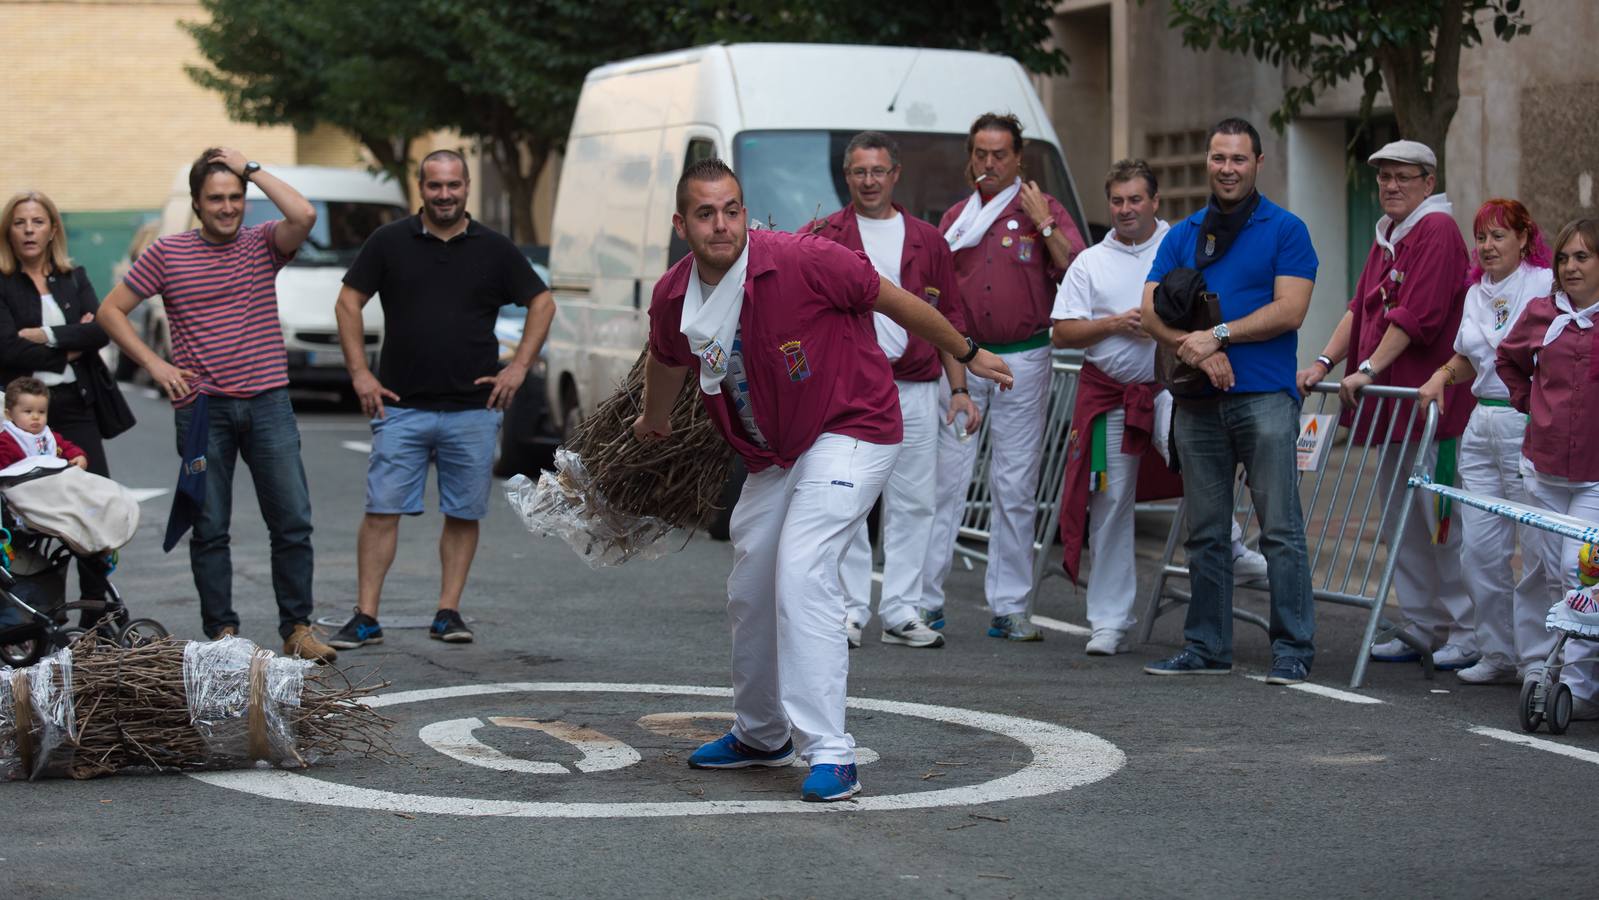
(508, 72)
(1411, 47)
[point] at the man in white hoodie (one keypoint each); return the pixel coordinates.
(1400, 328)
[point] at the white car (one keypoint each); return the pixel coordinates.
(350, 205)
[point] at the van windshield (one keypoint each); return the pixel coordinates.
(341, 228)
(792, 177)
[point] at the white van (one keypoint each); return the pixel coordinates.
(350, 205)
(781, 115)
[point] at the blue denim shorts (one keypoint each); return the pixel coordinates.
(459, 443)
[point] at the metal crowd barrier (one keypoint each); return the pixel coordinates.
(1348, 510)
(972, 540)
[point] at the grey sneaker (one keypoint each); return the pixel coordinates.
(914, 633)
(1014, 628)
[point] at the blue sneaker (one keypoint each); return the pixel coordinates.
(728, 752)
(934, 618)
(450, 627)
(361, 630)
(1014, 628)
(1288, 670)
(830, 782)
(1187, 662)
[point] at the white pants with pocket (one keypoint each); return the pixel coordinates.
(1509, 613)
(1016, 429)
(907, 517)
(1112, 576)
(785, 604)
(1582, 502)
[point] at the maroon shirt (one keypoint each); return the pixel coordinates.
(1008, 281)
(1422, 289)
(926, 269)
(810, 349)
(11, 452)
(1553, 385)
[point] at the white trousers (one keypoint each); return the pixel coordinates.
(785, 605)
(1112, 578)
(1581, 503)
(1509, 614)
(1427, 578)
(907, 517)
(1016, 429)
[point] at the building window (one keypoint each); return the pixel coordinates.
(1178, 160)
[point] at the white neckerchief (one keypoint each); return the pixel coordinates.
(1582, 318)
(41, 444)
(1436, 203)
(1161, 227)
(710, 323)
(976, 217)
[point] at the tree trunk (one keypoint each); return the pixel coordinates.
(519, 162)
(1426, 97)
(392, 153)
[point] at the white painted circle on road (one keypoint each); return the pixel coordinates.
(1063, 758)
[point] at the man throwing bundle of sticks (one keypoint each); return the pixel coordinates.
(778, 328)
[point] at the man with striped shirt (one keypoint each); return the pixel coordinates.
(229, 375)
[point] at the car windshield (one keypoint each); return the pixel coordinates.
(341, 228)
(792, 177)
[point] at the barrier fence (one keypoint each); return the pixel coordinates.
(1354, 495)
(972, 540)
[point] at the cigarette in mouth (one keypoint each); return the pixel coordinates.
(979, 179)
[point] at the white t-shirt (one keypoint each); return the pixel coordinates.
(1108, 279)
(50, 316)
(1490, 311)
(738, 379)
(884, 240)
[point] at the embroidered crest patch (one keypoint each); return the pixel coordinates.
(930, 293)
(1024, 252)
(1501, 307)
(799, 368)
(714, 356)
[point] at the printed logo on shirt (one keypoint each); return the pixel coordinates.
(1074, 448)
(1024, 251)
(714, 356)
(194, 466)
(799, 368)
(848, 484)
(1501, 307)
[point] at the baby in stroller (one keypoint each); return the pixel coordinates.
(53, 511)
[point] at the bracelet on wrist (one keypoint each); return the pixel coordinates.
(959, 390)
(1449, 378)
(1326, 361)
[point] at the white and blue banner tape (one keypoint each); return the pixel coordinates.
(1565, 526)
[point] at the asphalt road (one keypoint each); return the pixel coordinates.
(1002, 770)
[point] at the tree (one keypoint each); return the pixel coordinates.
(307, 62)
(1411, 47)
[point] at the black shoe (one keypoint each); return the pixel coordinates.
(361, 630)
(447, 626)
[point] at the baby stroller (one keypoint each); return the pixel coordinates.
(41, 535)
(1546, 700)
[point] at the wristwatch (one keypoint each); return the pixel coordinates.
(250, 168)
(1367, 369)
(971, 352)
(1222, 335)
(1047, 229)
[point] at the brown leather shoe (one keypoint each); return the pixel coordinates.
(227, 631)
(302, 642)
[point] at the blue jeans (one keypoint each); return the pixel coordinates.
(1213, 437)
(263, 431)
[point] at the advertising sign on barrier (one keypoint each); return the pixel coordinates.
(1315, 436)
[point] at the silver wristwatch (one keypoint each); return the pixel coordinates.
(1222, 334)
(1367, 369)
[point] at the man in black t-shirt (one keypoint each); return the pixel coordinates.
(439, 393)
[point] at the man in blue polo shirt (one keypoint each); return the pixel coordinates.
(1257, 258)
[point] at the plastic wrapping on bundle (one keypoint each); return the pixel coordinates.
(238, 695)
(567, 504)
(37, 719)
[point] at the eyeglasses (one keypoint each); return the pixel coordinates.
(1387, 180)
(877, 174)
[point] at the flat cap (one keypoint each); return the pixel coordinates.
(1414, 152)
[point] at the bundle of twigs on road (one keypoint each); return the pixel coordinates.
(613, 497)
(97, 708)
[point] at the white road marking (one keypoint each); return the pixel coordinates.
(357, 446)
(1527, 740)
(601, 753)
(1062, 758)
(454, 739)
(142, 494)
(1058, 625)
(1324, 691)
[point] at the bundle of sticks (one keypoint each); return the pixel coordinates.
(98, 708)
(613, 497)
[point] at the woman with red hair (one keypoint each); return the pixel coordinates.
(1511, 268)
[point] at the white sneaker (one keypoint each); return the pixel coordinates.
(852, 630)
(1453, 656)
(914, 633)
(1248, 566)
(1394, 651)
(1485, 672)
(1107, 642)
